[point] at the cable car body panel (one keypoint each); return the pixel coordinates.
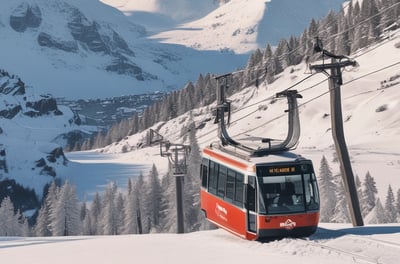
(244, 195)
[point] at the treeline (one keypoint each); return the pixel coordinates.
(334, 207)
(147, 206)
(354, 27)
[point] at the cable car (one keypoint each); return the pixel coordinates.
(259, 192)
(260, 197)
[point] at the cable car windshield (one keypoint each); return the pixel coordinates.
(282, 194)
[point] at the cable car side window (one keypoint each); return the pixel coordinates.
(213, 180)
(311, 191)
(221, 180)
(230, 185)
(204, 172)
(239, 179)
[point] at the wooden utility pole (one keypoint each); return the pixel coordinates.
(335, 81)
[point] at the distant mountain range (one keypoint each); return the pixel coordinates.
(87, 49)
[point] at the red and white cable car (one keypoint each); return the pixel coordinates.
(260, 197)
(259, 193)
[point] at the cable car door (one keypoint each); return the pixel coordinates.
(251, 199)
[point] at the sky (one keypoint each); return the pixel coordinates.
(331, 244)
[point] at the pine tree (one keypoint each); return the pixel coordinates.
(120, 209)
(369, 194)
(343, 46)
(341, 212)
(369, 11)
(398, 205)
(94, 216)
(131, 210)
(50, 204)
(269, 65)
(358, 33)
(65, 214)
(42, 222)
(391, 214)
(153, 199)
(10, 224)
(377, 214)
(109, 216)
(359, 189)
(192, 183)
(327, 189)
(168, 203)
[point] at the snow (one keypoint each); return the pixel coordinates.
(331, 244)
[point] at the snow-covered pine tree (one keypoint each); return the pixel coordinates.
(168, 203)
(192, 183)
(357, 31)
(377, 214)
(369, 194)
(369, 10)
(42, 222)
(269, 64)
(120, 208)
(65, 214)
(94, 215)
(50, 204)
(343, 46)
(109, 214)
(398, 205)
(341, 212)
(87, 225)
(10, 224)
(390, 207)
(328, 189)
(153, 201)
(131, 210)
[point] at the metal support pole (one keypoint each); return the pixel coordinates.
(179, 194)
(177, 155)
(335, 81)
(179, 204)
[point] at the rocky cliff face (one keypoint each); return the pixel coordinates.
(29, 126)
(25, 16)
(84, 35)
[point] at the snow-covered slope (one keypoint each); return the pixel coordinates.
(370, 98)
(87, 49)
(332, 244)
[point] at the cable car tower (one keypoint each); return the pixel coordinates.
(224, 106)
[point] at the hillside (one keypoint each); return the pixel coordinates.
(371, 120)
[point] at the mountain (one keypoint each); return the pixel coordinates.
(87, 49)
(77, 49)
(33, 129)
(246, 24)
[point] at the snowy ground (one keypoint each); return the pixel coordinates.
(331, 244)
